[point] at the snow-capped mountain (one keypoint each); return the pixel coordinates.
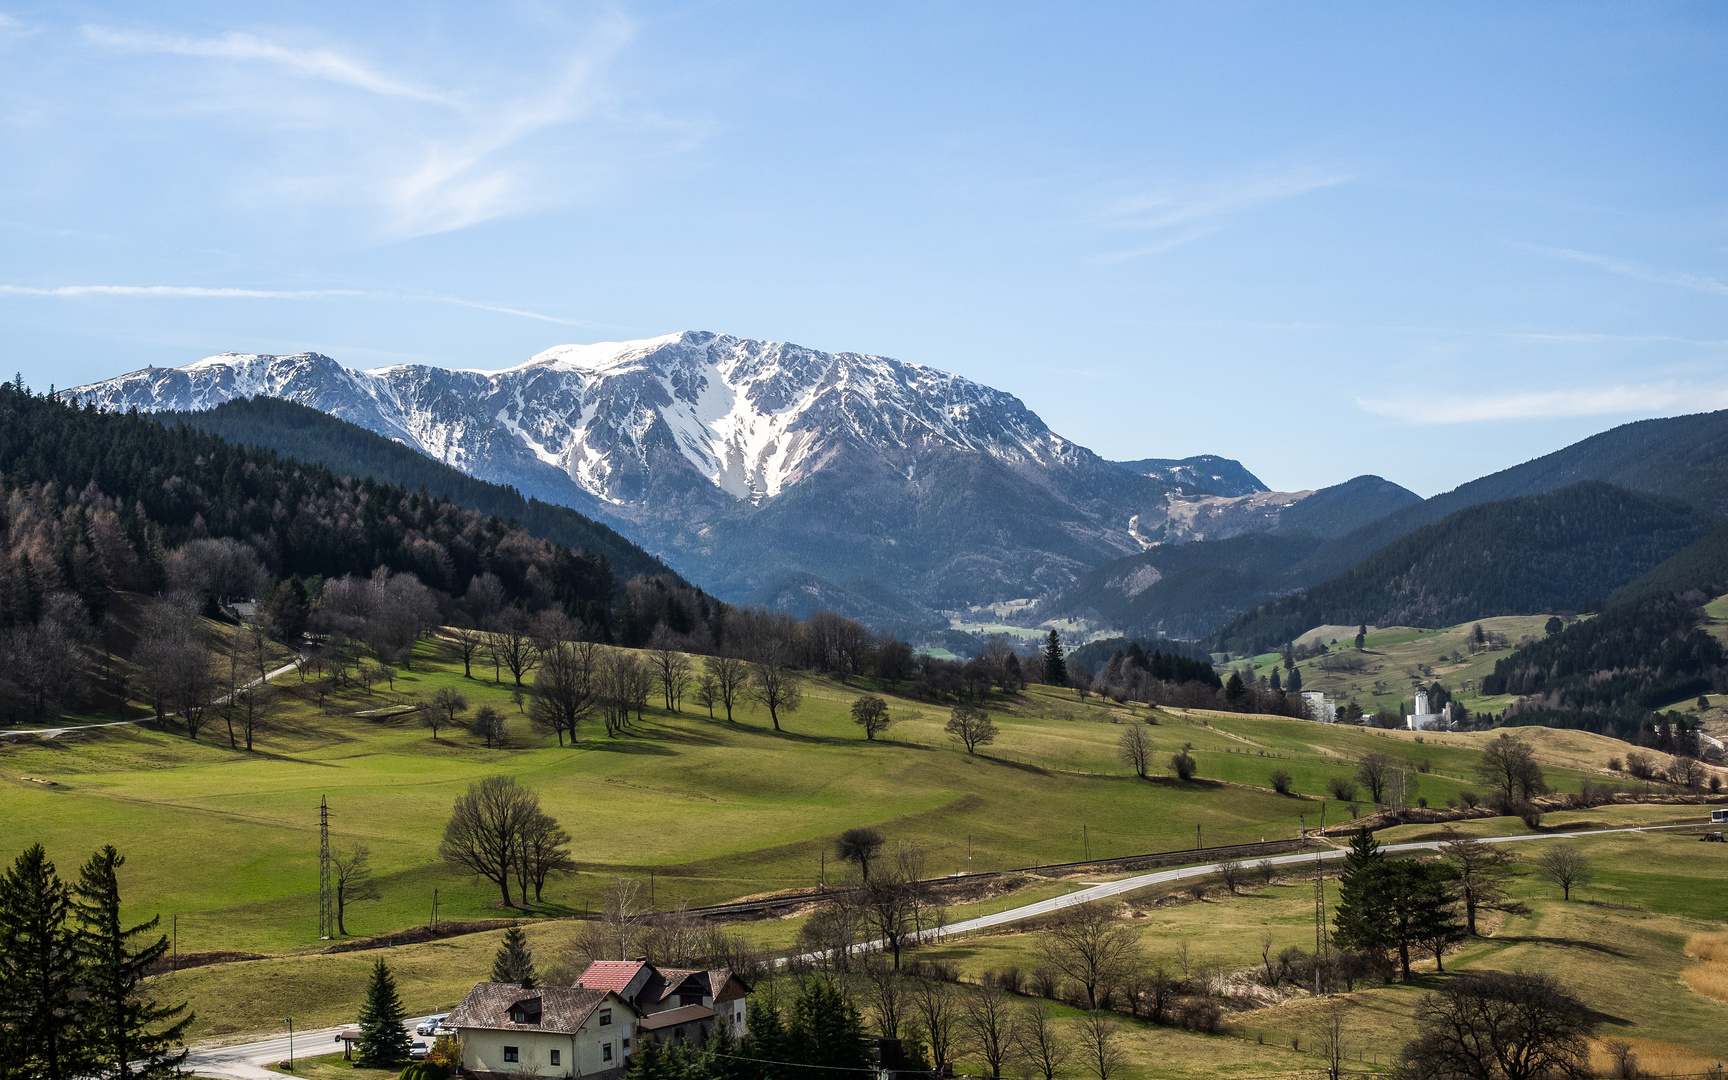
(746, 464)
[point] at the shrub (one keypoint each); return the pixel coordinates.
(1199, 1014)
(1614, 764)
(1342, 788)
(1182, 763)
(1469, 798)
(1045, 981)
(1640, 766)
(1267, 870)
(1282, 781)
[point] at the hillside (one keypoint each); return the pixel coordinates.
(305, 434)
(1701, 566)
(1566, 550)
(1616, 670)
(1681, 457)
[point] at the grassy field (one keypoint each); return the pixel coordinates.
(704, 809)
(1396, 659)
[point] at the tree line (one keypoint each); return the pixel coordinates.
(73, 1004)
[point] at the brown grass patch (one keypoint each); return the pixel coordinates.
(1710, 975)
(1655, 1058)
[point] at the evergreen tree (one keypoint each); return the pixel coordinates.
(650, 1061)
(1277, 680)
(515, 961)
(1294, 683)
(1055, 666)
(1234, 687)
(720, 1058)
(767, 1040)
(383, 1042)
(124, 1028)
(827, 1032)
(40, 1017)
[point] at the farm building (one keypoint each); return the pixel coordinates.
(673, 1002)
(552, 1031)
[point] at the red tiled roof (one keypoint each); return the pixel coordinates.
(613, 975)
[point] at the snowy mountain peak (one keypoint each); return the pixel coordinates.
(752, 418)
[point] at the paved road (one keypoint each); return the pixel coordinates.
(56, 732)
(1140, 881)
(246, 1061)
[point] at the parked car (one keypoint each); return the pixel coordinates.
(419, 1050)
(430, 1025)
(440, 1031)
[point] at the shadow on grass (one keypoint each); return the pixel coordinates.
(1564, 943)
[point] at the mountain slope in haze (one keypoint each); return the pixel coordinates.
(1203, 474)
(1681, 457)
(306, 434)
(1566, 549)
(745, 463)
(1187, 590)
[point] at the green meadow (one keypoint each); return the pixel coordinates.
(702, 810)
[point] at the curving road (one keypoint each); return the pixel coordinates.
(56, 732)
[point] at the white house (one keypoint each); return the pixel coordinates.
(1315, 706)
(552, 1031)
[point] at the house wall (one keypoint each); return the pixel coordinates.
(483, 1050)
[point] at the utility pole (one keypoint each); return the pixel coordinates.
(822, 872)
(326, 894)
(290, 1023)
(1085, 843)
(968, 853)
(1197, 844)
(434, 910)
(1320, 940)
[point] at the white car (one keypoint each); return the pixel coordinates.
(418, 1051)
(430, 1024)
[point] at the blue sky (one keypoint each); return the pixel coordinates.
(1421, 241)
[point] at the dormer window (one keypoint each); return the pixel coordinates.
(525, 1012)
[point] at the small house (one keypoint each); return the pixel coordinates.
(551, 1031)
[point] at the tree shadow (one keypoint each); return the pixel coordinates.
(1574, 943)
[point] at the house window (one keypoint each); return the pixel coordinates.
(509, 1053)
(626, 1044)
(554, 1057)
(605, 1052)
(605, 1017)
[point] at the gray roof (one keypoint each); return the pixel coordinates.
(563, 1009)
(673, 1017)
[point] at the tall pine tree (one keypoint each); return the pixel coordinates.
(40, 1016)
(383, 1040)
(125, 1031)
(514, 962)
(1055, 664)
(827, 1032)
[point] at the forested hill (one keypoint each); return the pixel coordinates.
(1610, 673)
(97, 500)
(1680, 457)
(305, 434)
(1703, 567)
(1565, 550)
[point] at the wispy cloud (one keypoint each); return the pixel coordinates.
(1602, 401)
(1183, 216)
(1628, 268)
(324, 64)
(224, 293)
(404, 154)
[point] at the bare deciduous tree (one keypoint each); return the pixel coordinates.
(871, 713)
(1040, 1041)
(1135, 749)
(352, 874)
(1483, 871)
(1091, 947)
(564, 693)
(971, 726)
(485, 829)
(774, 682)
(446, 704)
(1374, 770)
(1101, 1044)
(488, 725)
(1231, 872)
(731, 675)
(937, 1012)
(860, 846)
(1566, 866)
(986, 1018)
(468, 641)
(671, 668)
(513, 644)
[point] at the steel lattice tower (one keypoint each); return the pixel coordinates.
(326, 894)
